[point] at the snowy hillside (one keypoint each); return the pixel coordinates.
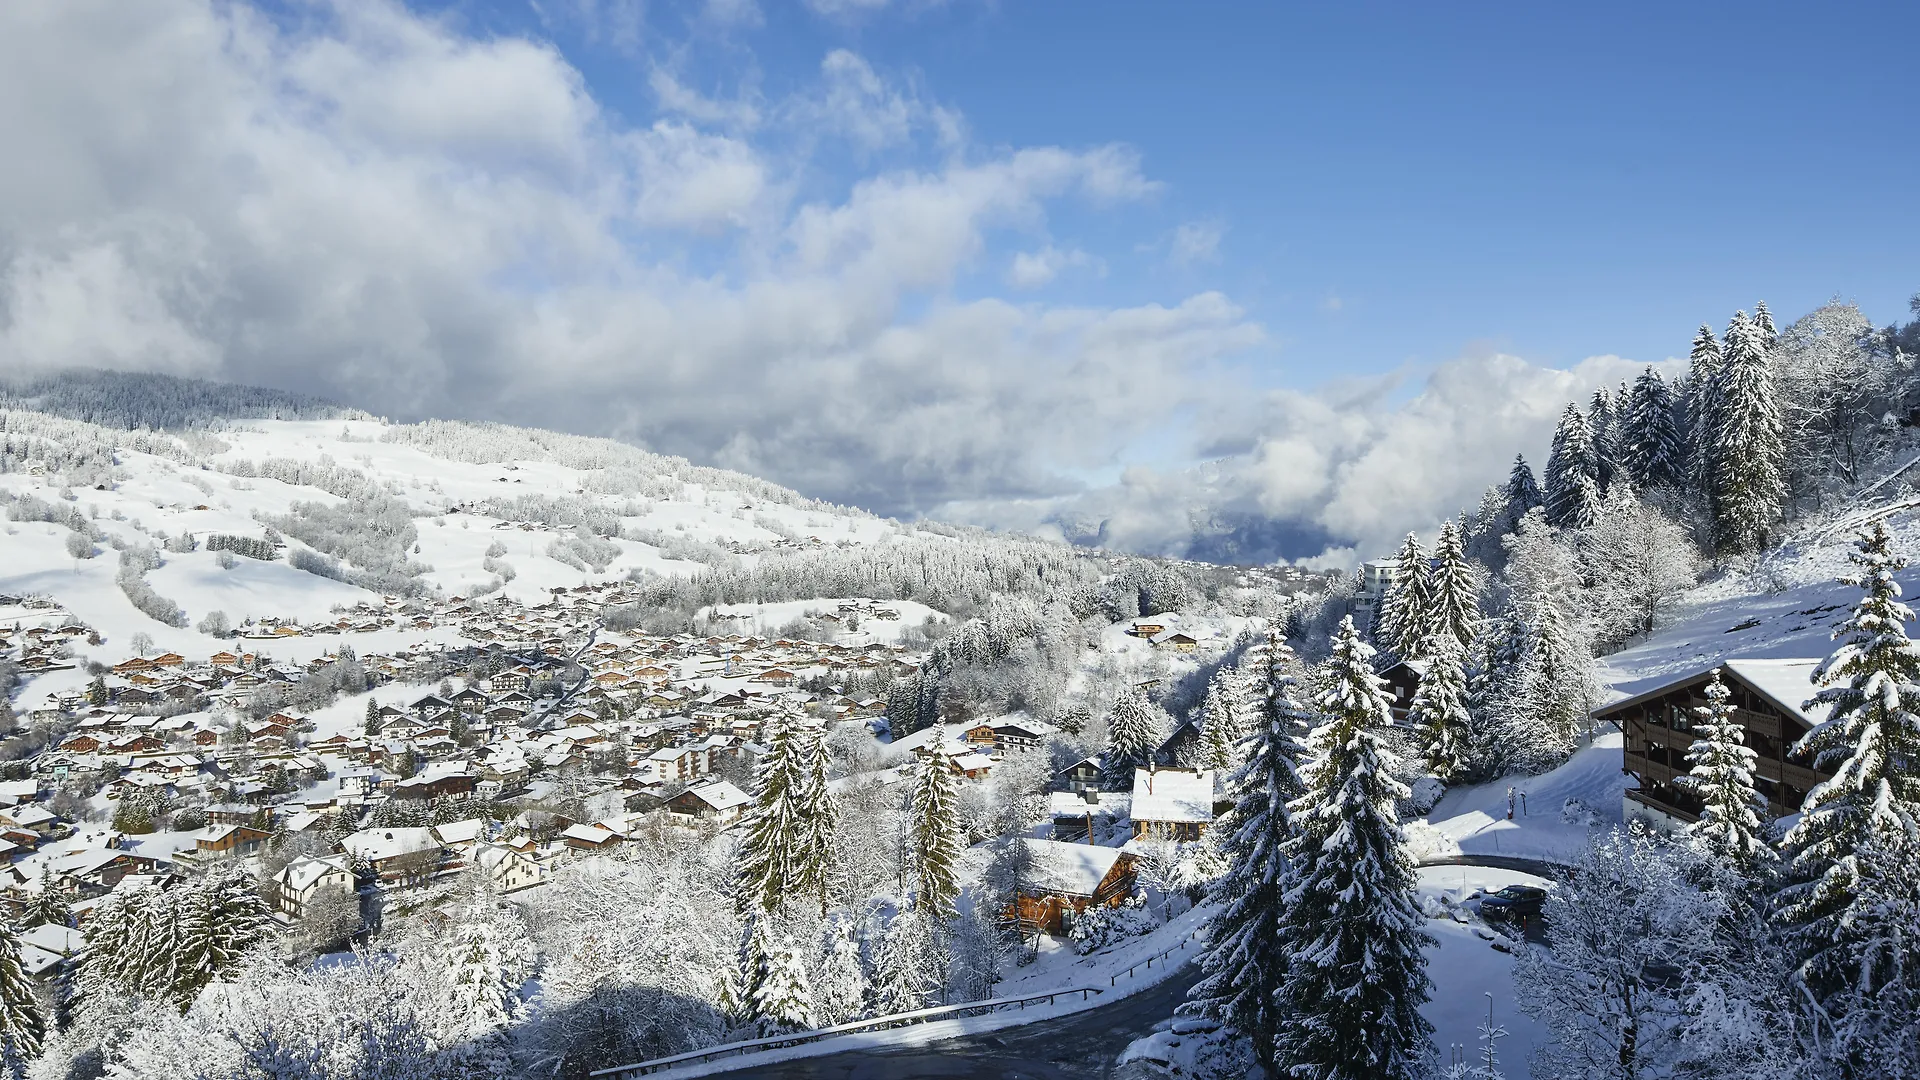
(488, 509)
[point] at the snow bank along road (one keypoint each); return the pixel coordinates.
(1079, 1046)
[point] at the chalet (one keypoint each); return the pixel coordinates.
(311, 880)
(506, 868)
(438, 780)
(1657, 723)
(229, 841)
(1062, 878)
(1007, 736)
(1403, 679)
(589, 837)
(1176, 640)
(97, 869)
(1081, 777)
(397, 855)
(714, 800)
(1172, 804)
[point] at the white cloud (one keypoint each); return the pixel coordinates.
(1032, 269)
(699, 181)
(1195, 242)
(676, 97)
(378, 207)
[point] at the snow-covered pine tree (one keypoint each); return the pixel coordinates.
(1763, 323)
(1747, 453)
(372, 725)
(1573, 492)
(1402, 626)
(1130, 738)
(783, 1000)
(740, 988)
(1655, 453)
(1356, 975)
(48, 905)
(1439, 711)
(820, 817)
(775, 862)
(1603, 421)
(840, 990)
(1453, 604)
(911, 964)
(936, 840)
(1721, 773)
(478, 1000)
(1224, 726)
(1840, 905)
(1246, 962)
(22, 1027)
(1702, 404)
(1523, 492)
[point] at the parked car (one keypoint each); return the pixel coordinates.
(1514, 901)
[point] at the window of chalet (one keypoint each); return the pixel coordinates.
(1795, 797)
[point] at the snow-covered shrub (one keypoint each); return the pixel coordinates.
(370, 533)
(584, 551)
(225, 560)
(134, 564)
(80, 546)
(215, 623)
(1098, 927)
(1575, 812)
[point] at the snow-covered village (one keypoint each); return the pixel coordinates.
(855, 540)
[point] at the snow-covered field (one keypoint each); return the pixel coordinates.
(1554, 814)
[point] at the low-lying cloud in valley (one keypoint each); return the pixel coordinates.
(407, 216)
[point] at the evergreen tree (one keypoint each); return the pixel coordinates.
(778, 855)
(1846, 860)
(1703, 404)
(97, 691)
(1130, 739)
(1654, 452)
(1246, 962)
(1763, 323)
(783, 999)
(936, 839)
(740, 994)
(1747, 453)
(1402, 626)
(1603, 421)
(821, 816)
(22, 1027)
(1721, 773)
(478, 1002)
(912, 963)
(1453, 605)
(840, 993)
(1523, 493)
(1439, 711)
(48, 906)
(1573, 492)
(1224, 727)
(1357, 976)
(372, 726)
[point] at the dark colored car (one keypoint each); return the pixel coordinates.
(1514, 901)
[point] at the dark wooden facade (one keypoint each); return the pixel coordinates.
(1035, 908)
(1658, 723)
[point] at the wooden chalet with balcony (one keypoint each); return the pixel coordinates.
(1767, 697)
(1060, 878)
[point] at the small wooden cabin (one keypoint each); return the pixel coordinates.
(1061, 878)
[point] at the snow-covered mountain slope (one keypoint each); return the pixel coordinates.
(448, 508)
(1786, 606)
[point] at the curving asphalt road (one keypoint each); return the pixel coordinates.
(1078, 1047)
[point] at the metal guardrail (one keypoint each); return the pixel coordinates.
(878, 1023)
(1194, 935)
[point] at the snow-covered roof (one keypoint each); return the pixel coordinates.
(1786, 682)
(460, 832)
(373, 844)
(588, 834)
(1173, 795)
(1059, 868)
(301, 874)
(720, 795)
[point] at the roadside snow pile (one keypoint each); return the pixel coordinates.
(1192, 1046)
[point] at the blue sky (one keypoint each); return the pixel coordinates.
(1073, 266)
(1396, 183)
